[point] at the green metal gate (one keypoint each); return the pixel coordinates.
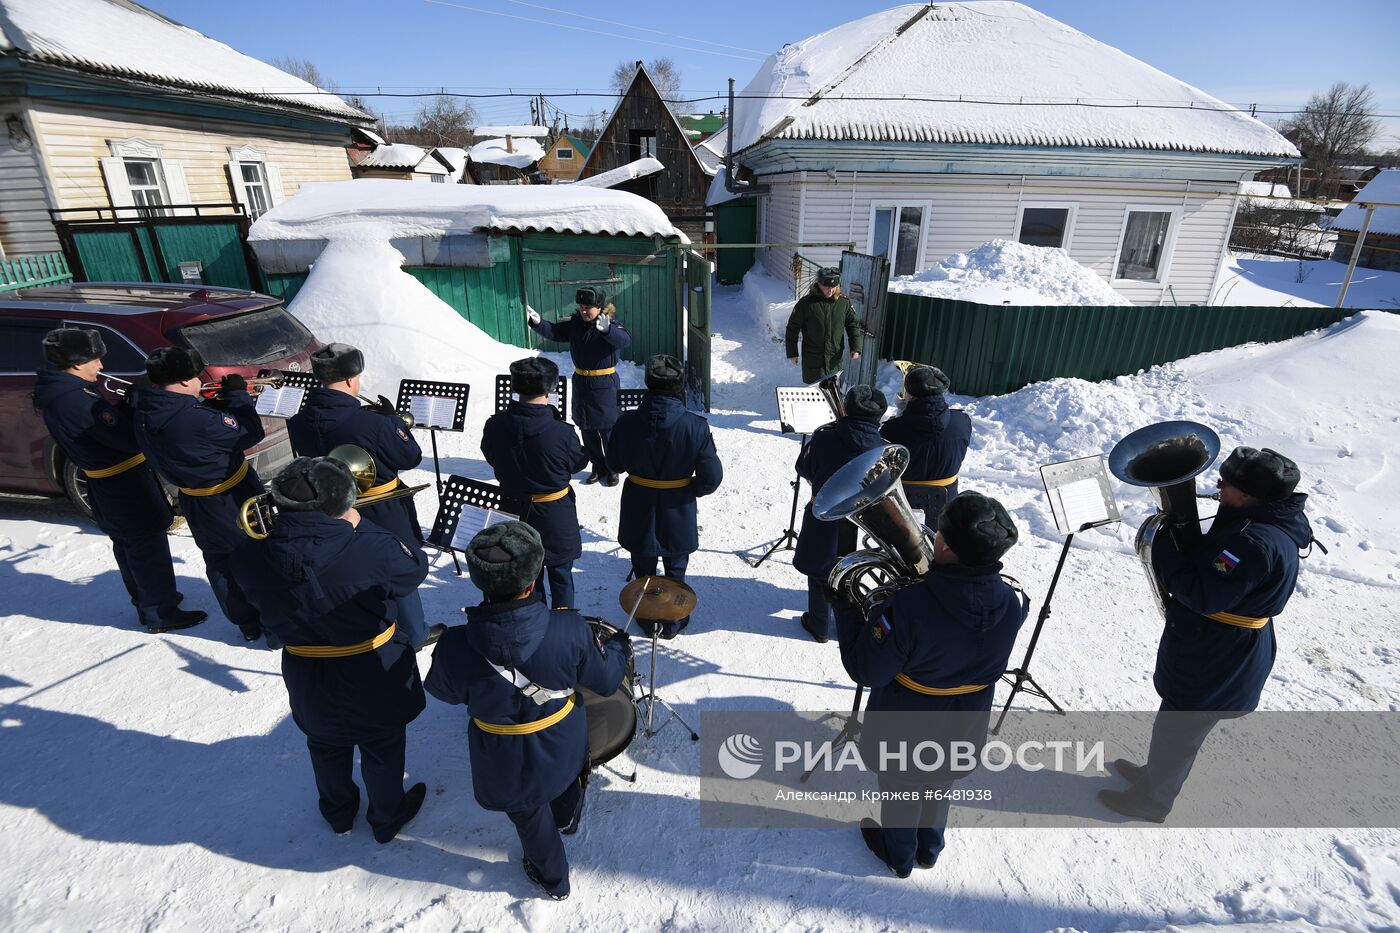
(697, 331)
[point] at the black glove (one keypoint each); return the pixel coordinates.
(232, 382)
(385, 407)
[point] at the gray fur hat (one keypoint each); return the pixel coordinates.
(504, 559)
(923, 381)
(977, 528)
(66, 347)
(533, 376)
(1264, 474)
(592, 296)
(664, 373)
(315, 484)
(864, 402)
(336, 362)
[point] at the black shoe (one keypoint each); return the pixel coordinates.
(178, 619)
(921, 863)
(1133, 772)
(875, 842)
(612, 479)
(252, 633)
(533, 873)
(434, 633)
(819, 637)
(571, 827)
(591, 479)
(1130, 804)
(408, 809)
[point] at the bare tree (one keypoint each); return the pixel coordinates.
(442, 121)
(1336, 125)
(664, 74)
(305, 69)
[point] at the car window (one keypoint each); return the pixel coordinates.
(121, 356)
(22, 346)
(261, 336)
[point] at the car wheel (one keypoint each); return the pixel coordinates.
(76, 485)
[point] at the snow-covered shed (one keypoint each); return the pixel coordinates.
(927, 129)
(406, 162)
(1381, 248)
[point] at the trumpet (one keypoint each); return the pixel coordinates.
(115, 384)
(379, 404)
(255, 386)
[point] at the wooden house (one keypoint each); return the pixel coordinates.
(564, 157)
(1380, 198)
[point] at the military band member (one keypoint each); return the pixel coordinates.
(516, 665)
(332, 415)
(820, 544)
(594, 337)
(936, 436)
(127, 502)
(935, 646)
(669, 457)
(200, 448)
(1218, 648)
(327, 583)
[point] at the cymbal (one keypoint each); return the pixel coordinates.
(662, 599)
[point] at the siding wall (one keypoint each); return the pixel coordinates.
(964, 211)
(779, 223)
(24, 201)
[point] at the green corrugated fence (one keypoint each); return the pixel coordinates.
(988, 350)
(38, 269)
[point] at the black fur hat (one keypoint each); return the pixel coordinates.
(1264, 474)
(67, 347)
(336, 362)
(665, 374)
(865, 402)
(504, 559)
(829, 275)
(592, 296)
(533, 376)
(169, 365)
(977, 528)
(315, 484)
(923, 381)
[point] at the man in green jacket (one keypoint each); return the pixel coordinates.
(819, 318)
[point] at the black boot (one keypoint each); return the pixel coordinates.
(559, 893)
(1133, 772)
(1130, 804)
(177, 619)
(591, 478)
(612, 479)
(819, 637)
(408, 809)
(875, 842)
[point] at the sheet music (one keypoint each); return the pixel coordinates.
(1082, 502)
(280, 403)
(805, 416)
(432, 411)
(471, 521)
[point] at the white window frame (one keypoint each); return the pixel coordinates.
(1168, 248)
(271, 177)
(563, 153)
(170, 179)
(1071, 206)
(877, 206)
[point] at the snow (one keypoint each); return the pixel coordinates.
(535, 131)
(1004, 271)
(388, 209)
(1271, 196)
(616, 176)
(1001, 73)
(394, 155)
(1383, 189)
(159, 783)
(522, 153)
(457, 158)
(718, 193)
(1247, 280)
(128, 40)
(712, 150)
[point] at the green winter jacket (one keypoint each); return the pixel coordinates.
(819, 321)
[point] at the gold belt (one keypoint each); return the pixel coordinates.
(1230, 618)
(550, 496)
(381, 488)
(904, 680)
(946, 481)
(525, 728)
(596, 372)
(343, 651)
(116, 468)
(658, 483)
(225, 486)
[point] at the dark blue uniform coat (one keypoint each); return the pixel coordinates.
(594, 403)
(553, 648)
(832, 446)
(533, 452)
(331, 418)
(661, 440)
(1247, 564)
(321, 581)
(937, 437)
(193, 444)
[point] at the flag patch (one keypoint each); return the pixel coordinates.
(1225, 562)
(879, 630)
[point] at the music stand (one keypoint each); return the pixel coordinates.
(436, 406)
(504, 396)
(288, 400)
(1080, 498)
(801, 410)
(628, 399)
(465, 506)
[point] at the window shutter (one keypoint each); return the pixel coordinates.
(114, 171)
(274, 183)
(176, 186)
(235, 177)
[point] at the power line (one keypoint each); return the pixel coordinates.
(658, 32)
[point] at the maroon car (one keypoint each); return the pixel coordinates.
(234, 331)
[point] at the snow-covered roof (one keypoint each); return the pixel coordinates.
(455, 157)
(990, 72)
(537, 131)
(369, 135)
(711, 152)
(119, 37)
(1277, 197)
(524, 152)
(1383, 189)
(323, 210)
(394, 155)
(616, 176)
(719, 192)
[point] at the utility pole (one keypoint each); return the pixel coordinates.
(1355, 255)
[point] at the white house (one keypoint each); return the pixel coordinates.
(929, 129)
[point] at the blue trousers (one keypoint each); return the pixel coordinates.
(381, 767)
(643, 566)
(412, 625)
(595, 444)
(819, 614)
(561, 585)
(234, 604)
(913, 829)
(538, 830)
(148, 574)
(1176, 739)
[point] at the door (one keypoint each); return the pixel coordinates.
(697, 326)
(897, 235)
(864, 280)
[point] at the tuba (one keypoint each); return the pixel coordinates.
(868, 492)
(1166, 458)
(830, 388)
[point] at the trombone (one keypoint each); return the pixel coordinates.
(115, 384)
(378, 405)
(255, 386)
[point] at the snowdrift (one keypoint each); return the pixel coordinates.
(1004, 271)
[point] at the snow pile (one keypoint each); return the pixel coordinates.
(770, 302)
(388, 209)
(1004, 271)
(522, 153)
(616, 176)
(1383, 189)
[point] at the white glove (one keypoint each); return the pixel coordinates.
(532, 315)
(603, 323)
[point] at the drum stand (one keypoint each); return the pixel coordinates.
(651, 699)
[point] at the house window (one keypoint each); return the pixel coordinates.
(1144, 248)
(255, 188)
(643, 144)
(440, 179)
(1046, 225)
(563, 155)
(143, 177)
(897, 234)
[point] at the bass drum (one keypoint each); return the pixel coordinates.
(612, 719)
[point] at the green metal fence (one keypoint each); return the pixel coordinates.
(988, 350)
(39, 269)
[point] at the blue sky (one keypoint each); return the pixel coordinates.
(1244, 51)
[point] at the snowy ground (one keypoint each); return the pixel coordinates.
(1268, 280)
(158, 783)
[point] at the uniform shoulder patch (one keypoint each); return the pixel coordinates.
(108, 418)
(403, 434)
(404, 547)
(1225, 562)
(880, 629)
(229, 420)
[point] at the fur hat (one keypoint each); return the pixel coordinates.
(67, 347)
(533, 376)
(828, 275)
(664, 373)
(315, 484)
(504, 559)
(592, 296)
(1264, 474)
(336, 362)
(169, 365)
(923, 381)
(977, 528)
(865, 402)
